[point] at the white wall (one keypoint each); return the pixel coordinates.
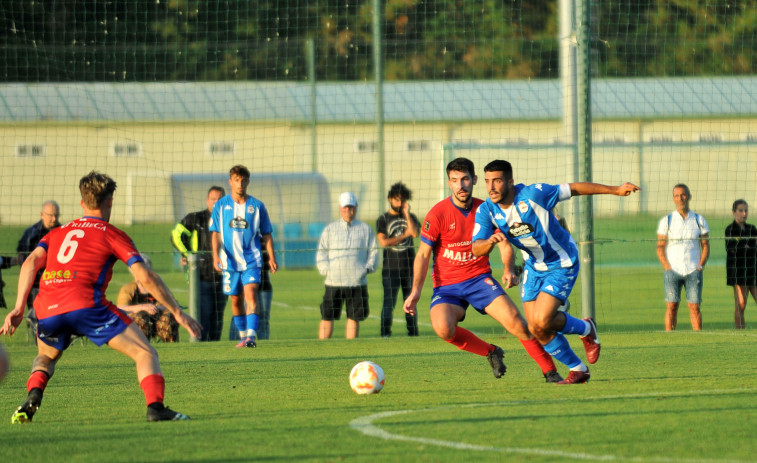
(717, 173)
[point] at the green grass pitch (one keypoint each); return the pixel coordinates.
(653, 397)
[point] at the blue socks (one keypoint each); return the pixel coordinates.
(241, 323)
(560, 349)
(247, 325)
(574, 325)
(253, 321)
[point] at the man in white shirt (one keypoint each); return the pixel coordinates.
(347, 252)
(683, 248)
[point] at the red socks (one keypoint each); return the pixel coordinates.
(38, 379)
(540, 356)
(154, 387)
(469, 342)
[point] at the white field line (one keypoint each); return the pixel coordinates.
(365, 425)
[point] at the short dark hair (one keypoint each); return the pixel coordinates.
(461, 165)
(685, 187)
(738, 203)
(218, 189)
(239, 170)
(499, 165)
(399, 189)
(95, 188)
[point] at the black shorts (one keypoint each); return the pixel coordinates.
(355, 298)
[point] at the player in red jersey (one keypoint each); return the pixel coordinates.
(78, 259)
(461, 279)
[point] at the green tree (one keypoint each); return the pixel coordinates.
(676, 37)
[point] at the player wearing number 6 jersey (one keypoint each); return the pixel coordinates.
(523, 216)
(78, 261)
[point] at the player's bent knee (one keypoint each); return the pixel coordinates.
(540, 331)
(444, 332)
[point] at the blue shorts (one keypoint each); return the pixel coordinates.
(692, 282)
(478, 292)
(233, 282)
(100, 325)
(558, 283)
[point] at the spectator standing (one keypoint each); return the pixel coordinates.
(395, 230)
(741, 260)
(265, 297)
(241, 227)
(346, 254)
(192, 235)
(5, 262)
(155, 321)
(683, 248)
(49, 215)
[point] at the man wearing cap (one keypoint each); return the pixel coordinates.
(347, 252)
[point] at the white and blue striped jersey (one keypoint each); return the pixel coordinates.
(240, 227)
(530, 225)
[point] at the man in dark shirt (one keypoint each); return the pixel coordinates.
(29, 240)
(192, 235)
(395, 230)
(5, 262)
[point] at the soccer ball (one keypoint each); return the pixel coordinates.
(366, 378)
(5, 363)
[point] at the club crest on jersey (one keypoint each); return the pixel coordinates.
(520, 229)
(522, 207)
(426, 225)
(250, 209)
(489, 281)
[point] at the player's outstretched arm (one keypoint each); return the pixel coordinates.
(157, 287)
(484, 247)
(33, 264)
(588, 188)
(420, 270)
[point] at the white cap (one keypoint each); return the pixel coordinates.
(347, 199)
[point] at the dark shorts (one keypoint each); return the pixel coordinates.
(99, 324)
(742, 275)
(355, 298)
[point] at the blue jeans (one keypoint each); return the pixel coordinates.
(212, 306)
(264, 312)
(692, 282)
